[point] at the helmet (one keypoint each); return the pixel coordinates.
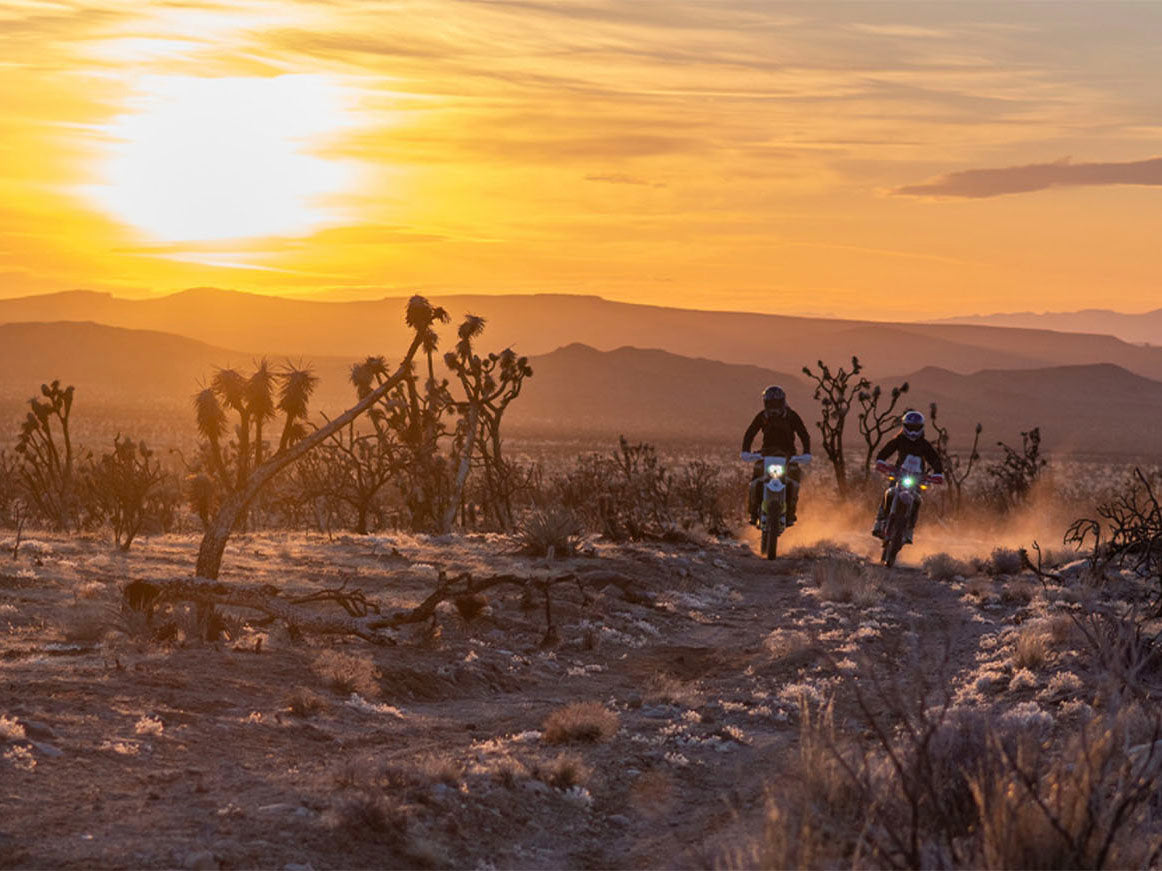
(913, 424)
(775, 398)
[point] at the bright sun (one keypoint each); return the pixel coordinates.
(224, 158)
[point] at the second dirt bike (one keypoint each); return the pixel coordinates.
(772, 519)
(907, 484)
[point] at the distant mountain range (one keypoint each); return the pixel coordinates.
(1144, 328)
(142, 382)
(539, 324)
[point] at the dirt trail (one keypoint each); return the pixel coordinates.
(149, 755)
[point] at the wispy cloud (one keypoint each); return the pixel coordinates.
(980, 183)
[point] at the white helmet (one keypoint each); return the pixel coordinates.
(913, 424)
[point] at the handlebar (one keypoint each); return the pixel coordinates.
(798, 459)
(890, 471)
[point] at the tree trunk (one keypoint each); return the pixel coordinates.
(214, 541)
(462, 473)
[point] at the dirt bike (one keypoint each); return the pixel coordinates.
(907, 486)
(773, 508)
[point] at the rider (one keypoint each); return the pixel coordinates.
(779, 425)
(909, 442)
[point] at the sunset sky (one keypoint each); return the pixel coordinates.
(871, 159)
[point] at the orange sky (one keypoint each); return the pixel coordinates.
(857, 159)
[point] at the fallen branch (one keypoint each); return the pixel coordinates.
(363, 619)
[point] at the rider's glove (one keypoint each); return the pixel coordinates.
(936, 479)
(884, 466)
(806, 458)
(742, 455)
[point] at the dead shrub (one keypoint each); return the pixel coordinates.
(825, 548)
(790, 644)
(555, 528)
(346, 673)
(565, 772)
(87, 626)
(470, 605)
(1032, 648)
(1062, 629)
(979, 587)
(665, 689)
(845, 581)
(943, 567)
(580, 721)
(304, 702)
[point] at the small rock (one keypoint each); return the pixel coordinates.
(538, 787)
(619, 820)
(634, 701)
(298, 866)
(47, 750)
(203, 860)
(721, 564)
(37, 730)
(277, 807)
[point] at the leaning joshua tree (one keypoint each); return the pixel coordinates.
(835, 391)
(420, 316)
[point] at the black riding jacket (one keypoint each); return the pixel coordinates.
(904, 446)
(779, 431)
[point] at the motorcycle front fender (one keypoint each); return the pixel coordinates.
(776, 485)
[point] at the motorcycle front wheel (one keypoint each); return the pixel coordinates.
(894, 538)
(769, 543)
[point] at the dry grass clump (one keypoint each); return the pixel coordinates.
(580, 721)
(823, 549)
(565, 772)
(841, 580)
(1004, 561)
(86, 626)
(666, 689)
(346, 673)
(510, 771)
(10, 728)
(554, 528)
(979, 586)
(1032, 648)
(944, 567)
(304, 702)
(1089, 806)
(792, 644)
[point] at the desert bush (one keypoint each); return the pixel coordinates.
(347, 673)
(580, 721)
(942, 567)
(552, 529)
(305, 702)
(624, 495)
(699, 498)
(368, 815)
(1004, 561)
(123, 487)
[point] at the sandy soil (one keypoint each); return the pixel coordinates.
(122, 752)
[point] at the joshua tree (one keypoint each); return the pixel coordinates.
(1018, 471)
(45, 450)
(835, 392)
(956, 470)
(252, 398)
(875, 422)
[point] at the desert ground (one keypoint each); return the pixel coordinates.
(699, 687)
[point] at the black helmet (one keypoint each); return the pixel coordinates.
(775, 398)
(913, 424)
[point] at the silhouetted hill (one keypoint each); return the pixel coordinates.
(1144, 328)
(647, 394)
(538, 324)
(142, 382)
(1097, 409)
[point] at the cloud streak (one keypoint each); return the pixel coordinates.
(981, 183)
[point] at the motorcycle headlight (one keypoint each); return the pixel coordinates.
(775, 470)
(909, 482)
